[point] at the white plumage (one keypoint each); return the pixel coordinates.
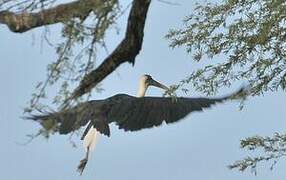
(92, 135)
(90, 139)
(89, 143)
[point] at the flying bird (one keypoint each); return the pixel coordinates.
(128, 112)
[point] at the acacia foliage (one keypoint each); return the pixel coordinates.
(272, 149)
(246, 39)
(84, 25)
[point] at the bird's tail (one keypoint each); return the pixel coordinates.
(89, 143)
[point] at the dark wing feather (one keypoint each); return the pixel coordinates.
(69, 120)
(131, 113)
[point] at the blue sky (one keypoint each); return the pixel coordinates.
(200, 147)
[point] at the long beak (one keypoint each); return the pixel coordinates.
(157, 84)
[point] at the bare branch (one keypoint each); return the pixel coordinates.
(26, 21)
(126, 51)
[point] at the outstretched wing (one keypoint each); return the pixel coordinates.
(130, 113)
(69, 120)
(133, 113)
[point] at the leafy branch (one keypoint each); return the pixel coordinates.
(245, 39)
(273, 149)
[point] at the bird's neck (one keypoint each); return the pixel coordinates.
(142, 90)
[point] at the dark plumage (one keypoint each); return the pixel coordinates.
(128, 112)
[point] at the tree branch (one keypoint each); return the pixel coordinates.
(126, 51)
(26, 21)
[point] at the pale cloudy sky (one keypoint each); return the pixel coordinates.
(200, 147)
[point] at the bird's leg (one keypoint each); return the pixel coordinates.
(83, 162)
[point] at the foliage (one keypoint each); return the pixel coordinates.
(246, 39)
(76, 53)
(273, 148)
(250, 35)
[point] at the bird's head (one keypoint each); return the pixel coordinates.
(147, 81)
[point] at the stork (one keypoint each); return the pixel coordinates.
(128, 112)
